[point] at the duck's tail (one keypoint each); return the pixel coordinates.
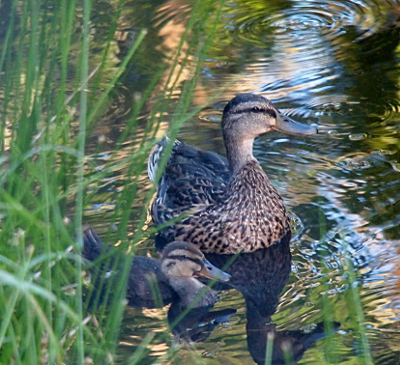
(92, 244)
(156, 156)
(101, 271)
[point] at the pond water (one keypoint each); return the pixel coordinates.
(335, 63)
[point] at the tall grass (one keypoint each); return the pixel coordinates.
(53, 91)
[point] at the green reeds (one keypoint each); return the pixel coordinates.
(356, 311)
(54, 90)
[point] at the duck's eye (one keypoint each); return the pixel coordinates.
(256, 109)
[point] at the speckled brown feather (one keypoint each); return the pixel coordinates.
(251, 215)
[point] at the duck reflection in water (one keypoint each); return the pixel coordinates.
(173, 279)
(260, 276)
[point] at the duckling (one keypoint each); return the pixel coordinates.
(175, 275)
(230, 204)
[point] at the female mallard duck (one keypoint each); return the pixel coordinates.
(232, 205)
(175, 275)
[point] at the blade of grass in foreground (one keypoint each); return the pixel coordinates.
(365, 353)
(79, 344)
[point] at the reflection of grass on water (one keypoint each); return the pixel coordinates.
(47, 67)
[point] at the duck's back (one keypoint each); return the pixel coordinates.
(192, 178)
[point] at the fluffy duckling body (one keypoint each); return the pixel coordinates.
(172, 279)
(231, 204)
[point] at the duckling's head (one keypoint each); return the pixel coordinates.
(249, 115)
(184, 260)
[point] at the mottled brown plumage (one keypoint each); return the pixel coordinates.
(231, 204)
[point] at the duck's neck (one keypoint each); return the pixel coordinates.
(192, 292)
(239, 151)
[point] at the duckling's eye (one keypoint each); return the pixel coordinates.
(256, 109)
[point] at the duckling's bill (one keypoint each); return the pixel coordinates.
(209, 271)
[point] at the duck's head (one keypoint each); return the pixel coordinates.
(184, 260)
(249, 115)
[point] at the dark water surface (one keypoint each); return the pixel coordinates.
(334, 63)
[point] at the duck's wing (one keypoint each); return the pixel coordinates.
(192, 178)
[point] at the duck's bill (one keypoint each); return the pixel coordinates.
(209, 271)
(287, 125)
